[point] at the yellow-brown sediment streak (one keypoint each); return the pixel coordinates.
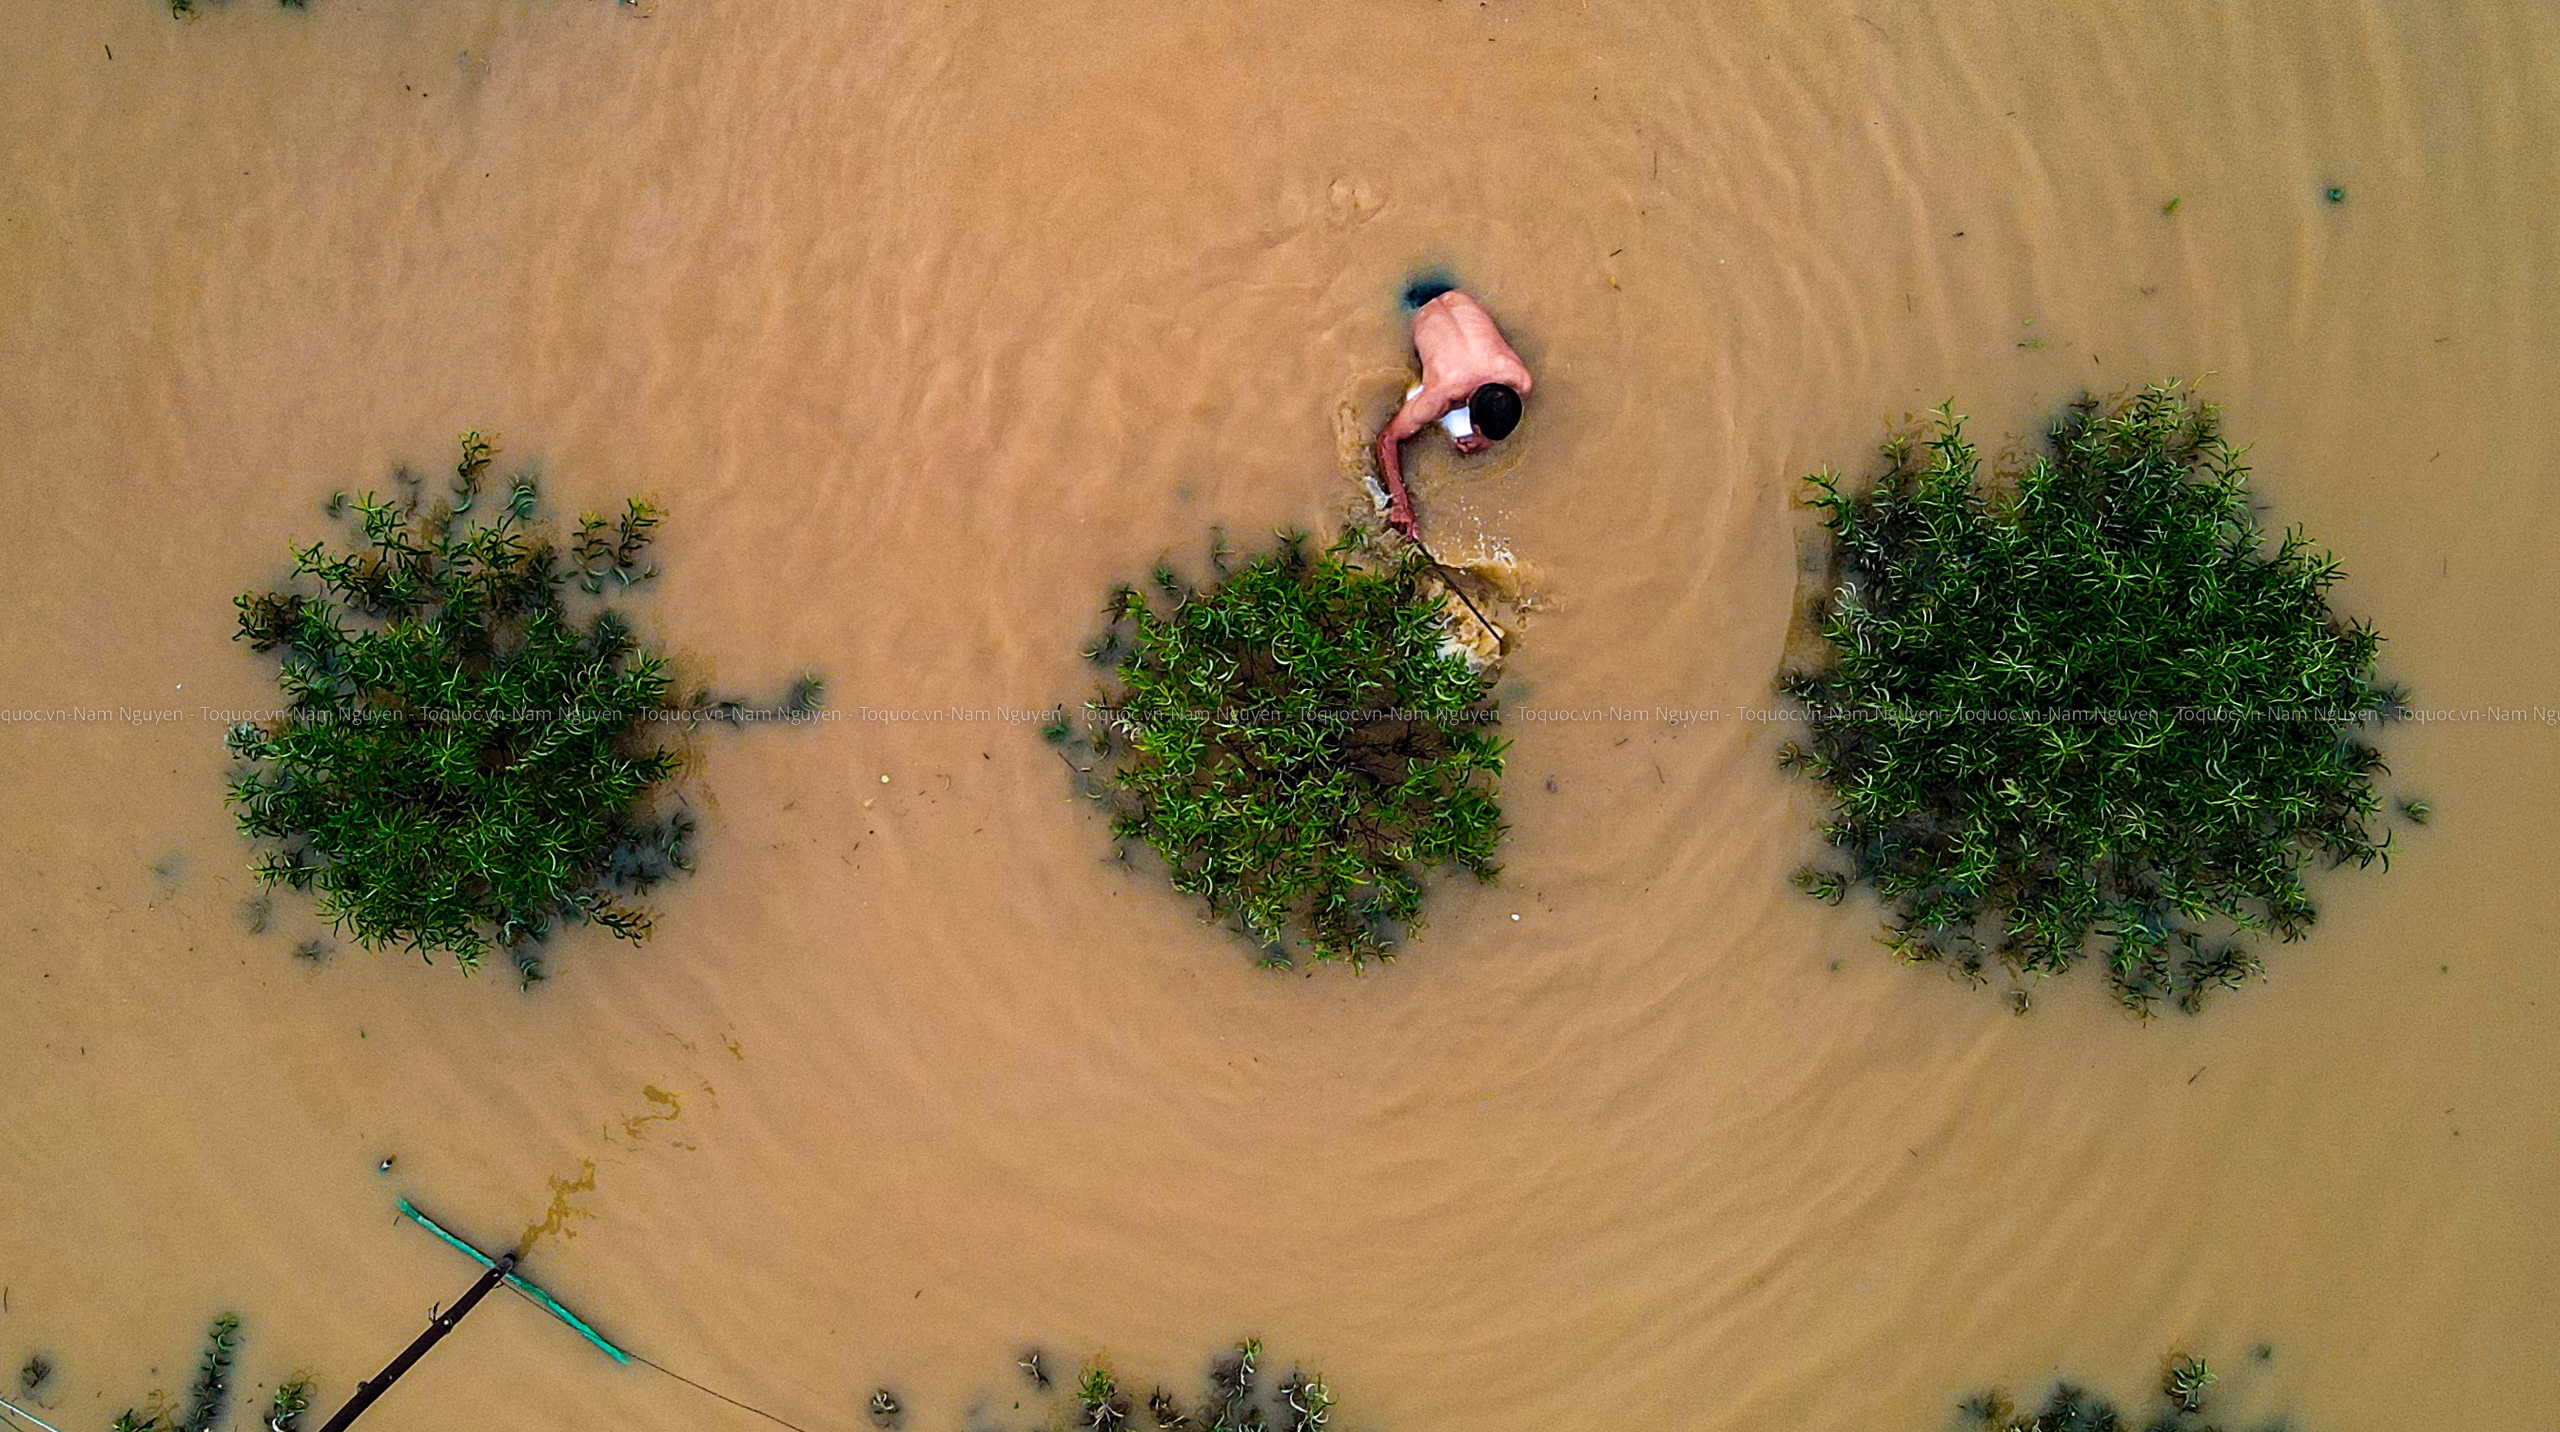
(562, 1212)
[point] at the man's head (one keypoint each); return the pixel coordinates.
(1495, 410)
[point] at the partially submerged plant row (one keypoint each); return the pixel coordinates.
(1299, 743)
(2094, 706)
(208, 1397)
(182, 8)
(1235, 1398)
(465, 761)
(2185, 1385)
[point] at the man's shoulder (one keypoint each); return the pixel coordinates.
(1455, 302)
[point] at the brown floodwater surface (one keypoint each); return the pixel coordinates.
(928, 323)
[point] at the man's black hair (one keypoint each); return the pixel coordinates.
(1494, 410)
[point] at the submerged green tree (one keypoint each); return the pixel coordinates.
(2092, 705)
(1299, 743)
(463, 762)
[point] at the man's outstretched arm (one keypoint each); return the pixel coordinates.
(1419, 412)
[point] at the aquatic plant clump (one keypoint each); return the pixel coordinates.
(1299, 744)
(2091, 706)
(462, 762)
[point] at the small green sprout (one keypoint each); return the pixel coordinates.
(292, 1399)
(2184, 1381)
(1100, 1407)
(1305, 1402)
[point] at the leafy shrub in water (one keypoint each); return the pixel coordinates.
(2092, 705)
(1297, 745)
(463, 761)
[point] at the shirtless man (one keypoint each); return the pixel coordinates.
(1472, 384)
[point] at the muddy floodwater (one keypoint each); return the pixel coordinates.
(926, 323)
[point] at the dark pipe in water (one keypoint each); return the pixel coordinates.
(373, 1387)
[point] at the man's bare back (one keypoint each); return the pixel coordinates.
(1463, 355)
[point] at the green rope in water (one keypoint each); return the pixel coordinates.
(532, 1294)
(551, 1305)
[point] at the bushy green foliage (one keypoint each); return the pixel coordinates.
(1297, 746)
(462, 761)
(2093, 704)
